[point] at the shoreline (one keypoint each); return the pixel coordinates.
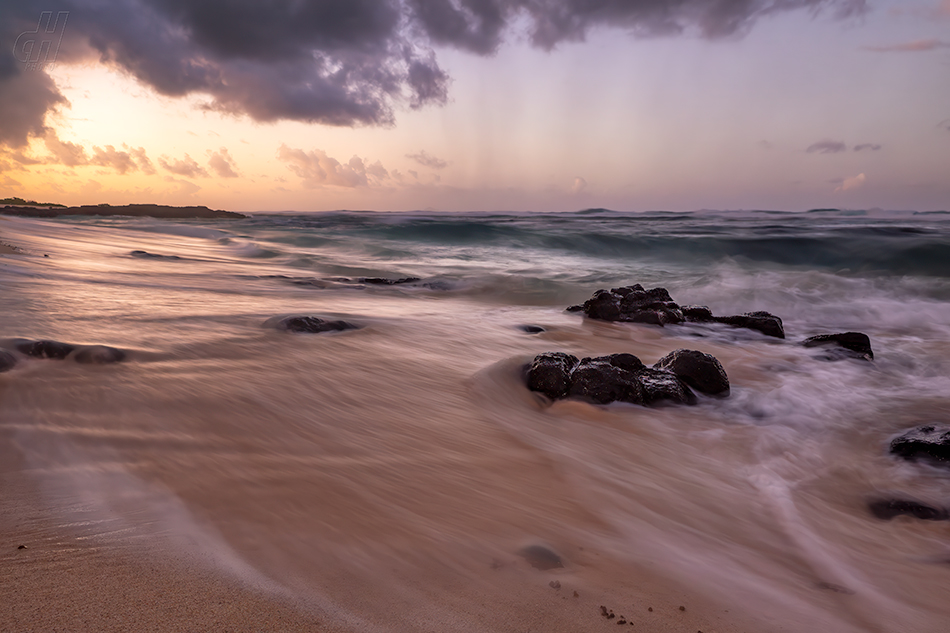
(129, 210)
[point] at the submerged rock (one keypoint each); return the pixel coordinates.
(531, 329)
(847, 345)
(764, 322)
(382, 281)
(550, 374)
(98, 355)
(541, 557)
(887, 509)
(46, 349)
(635, 304)
(929, 443)
(7, 360)
(313, 325)
(703, 372)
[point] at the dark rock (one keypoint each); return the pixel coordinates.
(764, 322)
(597, 380)
(635, 305)
(382, 281)
(697, 314)
(702, 372)
(541, 557)
(623, 361)
(550, 373)
(46, 349)
(98, 355)
(575, 308)
(313, 325)
(531, 329)
(849, 345)
(930, 443)
(7, 361)
(659, 385)
(887, 509)
(146, 255)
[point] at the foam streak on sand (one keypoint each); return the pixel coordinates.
(227, 474)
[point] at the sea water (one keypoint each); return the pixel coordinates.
(388, 476)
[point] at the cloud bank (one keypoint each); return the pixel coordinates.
(335, 62)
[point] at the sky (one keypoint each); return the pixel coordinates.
(477, 105)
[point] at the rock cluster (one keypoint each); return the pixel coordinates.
(655, 306)
(624, 377)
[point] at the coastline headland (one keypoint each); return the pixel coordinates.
(133, 210)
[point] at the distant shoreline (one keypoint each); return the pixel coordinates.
(133, 210)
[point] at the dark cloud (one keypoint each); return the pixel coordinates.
(427, 160)
(867, 147)
(337, 62)
(827, 147)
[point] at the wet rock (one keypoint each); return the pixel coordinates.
(313, 325)
(578, 308)
(7, 361)
(46, 349)
(701, 371)
(382, 281)
(550, 374)
(930, 443)
(846, 345)
(887, 509)
(597, 380)
(541, 557)
(663, 386)
(764, 322)
(697, 314)
(635, 304)
(98, 355)
(628, 362)
(531, 329)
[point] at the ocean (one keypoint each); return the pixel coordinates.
(388, 477)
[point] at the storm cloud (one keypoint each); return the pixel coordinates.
(335, 62)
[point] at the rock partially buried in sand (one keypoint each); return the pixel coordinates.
(147, 255)
(703, 372)
(929, 443)
(7, 361)
(887, 509)
(541, 557)
(531, 329)
(606, 379)
(98, 355)
(635, 304)
(845, 345)
(46, 349)
(313, 325)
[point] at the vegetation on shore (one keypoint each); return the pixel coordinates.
(20, 202)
